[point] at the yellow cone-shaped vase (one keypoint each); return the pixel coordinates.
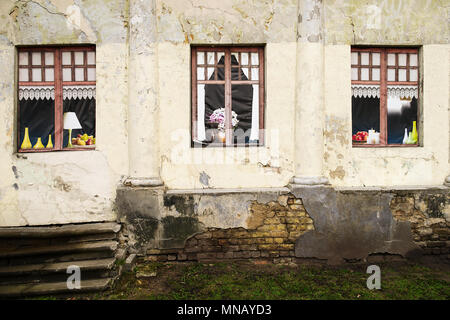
(414, 133)
(49, 144)
(26, 144)
(38, 144)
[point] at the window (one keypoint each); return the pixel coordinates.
(385, 93)
(56, 98)
(227, 96)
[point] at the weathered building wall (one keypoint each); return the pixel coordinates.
(64, 187)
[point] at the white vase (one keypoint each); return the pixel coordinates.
(405, 139)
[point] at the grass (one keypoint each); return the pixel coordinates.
(250, 281)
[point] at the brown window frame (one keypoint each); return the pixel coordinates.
(58, 84)
(383, 83)
(228, 50)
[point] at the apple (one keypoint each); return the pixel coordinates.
(89, 142)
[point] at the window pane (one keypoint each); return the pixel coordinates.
(23, 58)
(49, 58)
(245, 70)
(255, 58)
(37, 113)
(91, 74)
(365, 58)
(66, 58)
(210, 73)
(413, 75)
(244, 58)
(364, 74)
(402, 59)
(391, 59)
(200, 57)
(220, 57)
(402, 111)
(79, 58)
(375, 59)
(23, 75)
(37, 74)
(365, 117)
(244, 104)
(354, 73)
(67, 74)
(49, 74)
(200, 73)
(36, 58)
(413, 60)
(354, 57)
(81, 101)
(210, 57)
(79, 74)
(391, 74)
(210, 98)
(376, 74)
(91, 57)
(401, 74)
(255, 73)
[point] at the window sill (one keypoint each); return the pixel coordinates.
(196, 145)
(78, 148)
(385, 145)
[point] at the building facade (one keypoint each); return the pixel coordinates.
(290, 179)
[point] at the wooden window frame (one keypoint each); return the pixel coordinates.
(383, 83)
(228, 50)
(58, 84)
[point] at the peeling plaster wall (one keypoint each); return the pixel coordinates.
(65, 187)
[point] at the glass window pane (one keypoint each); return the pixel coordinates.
(79, 74)
(402, 75)
(234, 73)
(401, 112)
(413, 75)
(23, 74)
(244, 58)
(66, 58)
(91, 57)
(365, 58)
(84, 107)
(210, 73)
(49, 58)
(245, 70)
(402, 59)
(49, 74)
(364, 74)
(91, 74)
(79, 58)
(67, 74)
(234, 57)
(210, 57)
(354, 73)
(255, 58)
(36, 58)
(23, 58)
(38, 115)
(391, 74)
(391, 59)
(413, 60)
(354, 58)
(200, 57)
(375, 59)
(244, 107)
(255, 73)
(210, 112)
(376, 74)
(220, 57)
(365, 117)
(37, 74)
(200, 73)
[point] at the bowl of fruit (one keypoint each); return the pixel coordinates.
(360, 137)
(83, 140)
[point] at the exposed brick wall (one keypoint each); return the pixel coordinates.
(273, 229)
(432, 234)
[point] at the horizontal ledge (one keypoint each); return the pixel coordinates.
(227, 190)
(392, 188)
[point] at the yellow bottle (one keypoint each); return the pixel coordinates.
(414, 133)
(26, 144)
(49, 144)
(38, 144)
